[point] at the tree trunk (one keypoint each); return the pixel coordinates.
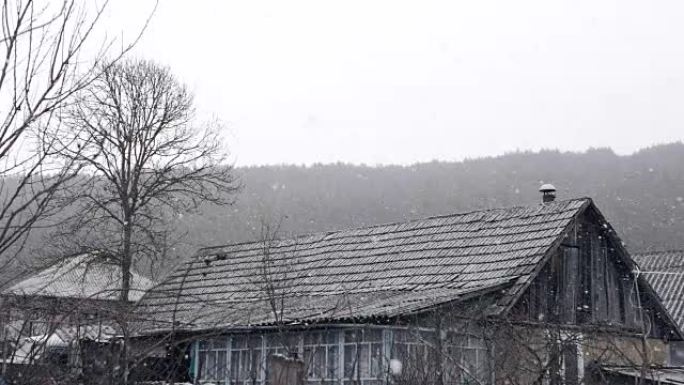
(126, 262)
(126, 259)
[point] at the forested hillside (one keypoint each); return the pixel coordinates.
(641, 194)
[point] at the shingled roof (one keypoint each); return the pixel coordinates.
(378, 271)
(80, 276)
(664, 270)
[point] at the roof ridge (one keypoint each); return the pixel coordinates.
(78, 260)
(206, 250)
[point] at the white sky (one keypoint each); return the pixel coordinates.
(406, 81)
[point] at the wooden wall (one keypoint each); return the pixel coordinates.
(587, 282)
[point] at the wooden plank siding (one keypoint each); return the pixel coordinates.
(587, 282)
(570, 284)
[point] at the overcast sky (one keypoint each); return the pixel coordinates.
(380, 82)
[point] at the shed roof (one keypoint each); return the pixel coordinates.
(378, 271)
(80, 276)
(664, 270)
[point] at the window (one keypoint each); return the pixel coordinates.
(469, 359)
(285, 344)
(212, 356)
(568, 367)
(221, 362)
(463, 358)
(676, 353)
(363, 356)
(570, 364)
(340, 357)
(246, 360)
(412, 349)
(322, 357)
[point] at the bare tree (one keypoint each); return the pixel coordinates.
(40, 71)
(132, 131)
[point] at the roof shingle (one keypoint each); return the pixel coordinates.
(665, 272)
(80, 277)
(377, 271)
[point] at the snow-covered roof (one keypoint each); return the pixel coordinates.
(81, 276)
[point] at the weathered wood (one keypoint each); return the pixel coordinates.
(585, 301)
(586, 282)
(554, 289)
(570, 287)
(631, 310)
(533, 303)
(600, 314)
(613, 288)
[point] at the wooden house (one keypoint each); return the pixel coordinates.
(542, 294)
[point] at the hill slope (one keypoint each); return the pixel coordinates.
(641, 194)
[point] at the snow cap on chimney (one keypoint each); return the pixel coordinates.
(548, 192)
